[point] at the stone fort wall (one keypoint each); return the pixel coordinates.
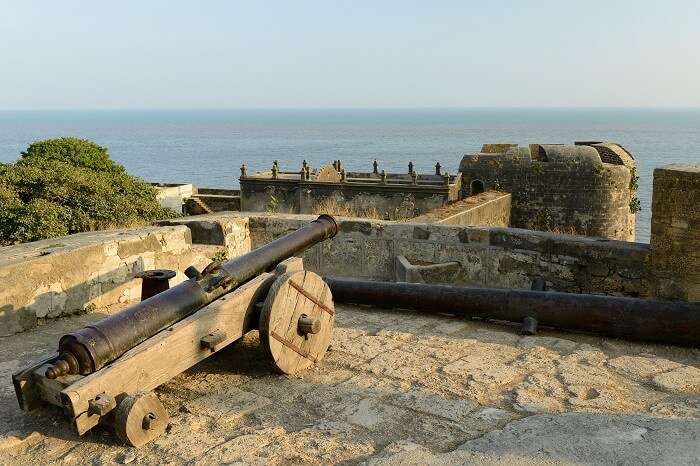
(94, 271)
(485, 256)
(675, 231)
(583, 188)
(387, 195)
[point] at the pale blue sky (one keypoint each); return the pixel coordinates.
(231, 54)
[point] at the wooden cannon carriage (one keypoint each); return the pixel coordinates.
(292, 308)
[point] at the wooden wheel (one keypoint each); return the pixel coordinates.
(296, 321)
(140, 418)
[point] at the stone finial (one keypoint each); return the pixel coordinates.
(383, 175)
(446, 178)
(343, 176)
(410, 167)
(304, 165)
(335, 165)
(244, 171)
(414, 177)
(275, 170)
(276, 163)
(306, 173)
(340, 165)
(375, 167)
(437, 168)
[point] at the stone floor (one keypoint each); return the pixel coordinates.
(396, 388)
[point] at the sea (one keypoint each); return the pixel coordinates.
(207, 147)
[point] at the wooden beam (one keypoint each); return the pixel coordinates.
(28, 394)
(50, 389)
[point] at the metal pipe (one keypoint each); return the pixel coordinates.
(657, 321)
(94, 346)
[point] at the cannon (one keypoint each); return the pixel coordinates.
(656, 321)
(104, 373)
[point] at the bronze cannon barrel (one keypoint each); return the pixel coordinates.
(91, 348)
(657, 321)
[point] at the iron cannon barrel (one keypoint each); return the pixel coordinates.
(92, 347)
(245, 267)
(657, 321)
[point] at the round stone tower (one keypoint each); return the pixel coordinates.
(587, 188)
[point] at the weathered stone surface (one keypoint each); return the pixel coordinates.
(398, 197)
(684, 379)
(85, 272)
(396, 388)
(580, 189)
(93, 270)
(642, 367)
(229, 231)
(497, 257)
(490, 208)
(675, 232)
(608, 440)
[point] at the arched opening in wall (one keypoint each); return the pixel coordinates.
(476, 187)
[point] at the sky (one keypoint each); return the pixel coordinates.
(338, 54)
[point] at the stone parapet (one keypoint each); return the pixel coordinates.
(225, 229)
(390, 195)
(85, 272)
(490, 208)
(172, 196)
(675, 232)
(487, 256)
(94, 270)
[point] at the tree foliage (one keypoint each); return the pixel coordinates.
(69, 185)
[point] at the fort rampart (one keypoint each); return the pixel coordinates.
(96, 270)
(388, 195)
(587, 188)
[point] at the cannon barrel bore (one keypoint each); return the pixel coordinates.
(94, 346)
(657, 321)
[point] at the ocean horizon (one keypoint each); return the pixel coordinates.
(206, 147)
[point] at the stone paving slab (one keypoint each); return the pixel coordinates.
(395, 388)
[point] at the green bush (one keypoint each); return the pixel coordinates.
(73, 151)
(68, 185)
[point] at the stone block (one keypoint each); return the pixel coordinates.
(675, 232)
(60, 276)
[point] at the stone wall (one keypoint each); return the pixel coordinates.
(216, 200)
(675, 231)
(173, 196)
(95, 270)
(583, 189)
(229, 232)
(397, 197)
(190, 200)
(388, 201)
(491, 208)
(87, 271)
(262, 196)
(490, 257)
